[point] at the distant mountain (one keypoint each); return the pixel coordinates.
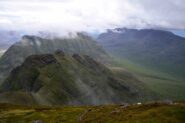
(7, 38)
(156, 49)
(30, 45)
(64, 79)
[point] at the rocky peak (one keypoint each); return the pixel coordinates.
(60, 52)
(40, 60)
(78, 58)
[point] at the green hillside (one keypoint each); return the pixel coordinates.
(55, 79)
(165, 85)
(155, 49)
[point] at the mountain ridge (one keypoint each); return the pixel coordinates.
(55, 79)
(157, 49)
(30, 45)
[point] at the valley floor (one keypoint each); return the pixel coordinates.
(166, 86)
(146, 113)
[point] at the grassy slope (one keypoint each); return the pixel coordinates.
(148, 113)
(167, 86)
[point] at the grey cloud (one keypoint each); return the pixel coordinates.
(164, 13)
(91, 15)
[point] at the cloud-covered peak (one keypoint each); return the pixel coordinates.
(90, 15)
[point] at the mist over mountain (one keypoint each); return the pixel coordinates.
(9, 37)
(156, 49)
(30, 45)
(70, 61)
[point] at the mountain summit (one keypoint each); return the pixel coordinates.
(30, 45)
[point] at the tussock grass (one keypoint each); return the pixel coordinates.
(146, 113)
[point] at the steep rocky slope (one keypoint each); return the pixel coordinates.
(30, 45)
(64, 79)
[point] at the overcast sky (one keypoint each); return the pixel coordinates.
(91, 15)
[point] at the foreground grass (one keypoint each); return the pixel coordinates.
(148, 113)
(23, 114)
